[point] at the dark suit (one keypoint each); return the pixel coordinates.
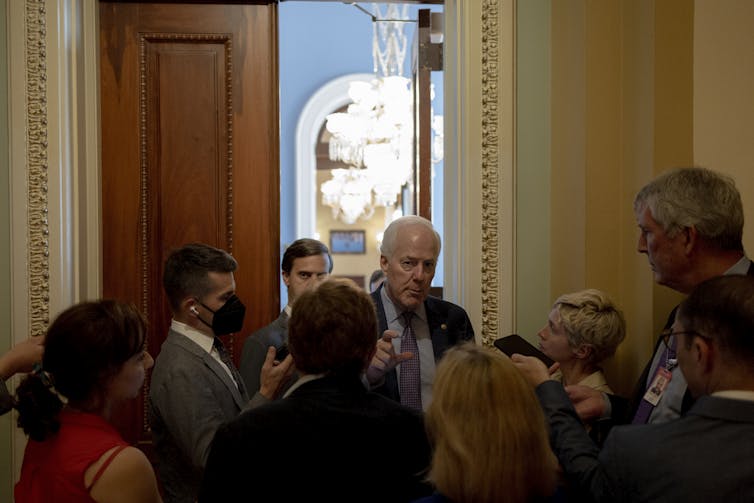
(448, 325)
(623, 410)
(707, 455)
(255, 350)
(329, 440)
(190, 396)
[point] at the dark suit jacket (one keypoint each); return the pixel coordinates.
(255, 350)
(190, 396)
(624, 410)
(706, 455)
(327, 438)
(448, 325)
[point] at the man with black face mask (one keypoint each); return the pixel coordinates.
(195, 386)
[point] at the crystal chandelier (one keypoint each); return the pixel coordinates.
(375, 136)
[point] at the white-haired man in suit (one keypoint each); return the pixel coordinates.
(417, 328)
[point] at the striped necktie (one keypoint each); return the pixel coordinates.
(225, 358)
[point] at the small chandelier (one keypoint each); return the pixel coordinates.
(375, 136)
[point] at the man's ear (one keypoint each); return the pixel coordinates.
(691, 236)
(383, 263)
(704, 353)
(287, 278)
(188, 306)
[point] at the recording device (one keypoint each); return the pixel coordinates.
(516, 344)
(281, 353)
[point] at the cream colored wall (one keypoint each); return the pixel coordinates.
(620, 114)
(724, 96)
(533, 188)
(6, 424)
(639, 87)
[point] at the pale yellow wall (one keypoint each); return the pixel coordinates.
(621, 112)
(6, 422)
(724, 95)
(638, 87)
(533, 189)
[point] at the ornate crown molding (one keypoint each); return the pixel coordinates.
(490, 167)
(38, 236)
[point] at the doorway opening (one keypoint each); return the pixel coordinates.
(323, 46)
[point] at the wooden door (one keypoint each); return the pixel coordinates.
(189, 154)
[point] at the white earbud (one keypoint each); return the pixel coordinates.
(194, 310)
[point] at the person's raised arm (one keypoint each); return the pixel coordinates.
(21, 357)
(589, 403)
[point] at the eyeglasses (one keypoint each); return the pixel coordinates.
(668, 333)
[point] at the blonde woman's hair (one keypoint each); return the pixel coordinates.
(488, 430)
(590, 317)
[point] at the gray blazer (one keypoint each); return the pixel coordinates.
(706, 455)
(190, 396)
(255, 350)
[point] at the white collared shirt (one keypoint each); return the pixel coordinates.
(740, 267)
(202, 340)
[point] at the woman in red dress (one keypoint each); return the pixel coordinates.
(95, 357)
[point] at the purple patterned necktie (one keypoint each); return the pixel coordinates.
(410, 371)
(645, 408)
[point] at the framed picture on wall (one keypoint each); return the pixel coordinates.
(348, 242)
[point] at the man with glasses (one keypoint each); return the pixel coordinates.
(691, 225)
(707, 454)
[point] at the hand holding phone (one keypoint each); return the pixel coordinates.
(282, 352)
(514, 343)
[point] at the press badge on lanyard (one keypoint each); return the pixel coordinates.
(658, 385)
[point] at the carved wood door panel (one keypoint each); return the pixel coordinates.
(189, 113)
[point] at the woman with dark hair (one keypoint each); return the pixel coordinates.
(95, 358)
